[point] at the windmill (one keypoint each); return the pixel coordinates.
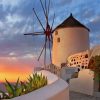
(47, 31)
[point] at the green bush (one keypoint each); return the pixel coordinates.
(94, 65)
(33, 82)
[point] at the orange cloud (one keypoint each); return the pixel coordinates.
(11, 71)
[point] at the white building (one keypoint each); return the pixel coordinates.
(80, 60)
(70, 37)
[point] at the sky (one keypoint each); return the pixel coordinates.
(19, 53)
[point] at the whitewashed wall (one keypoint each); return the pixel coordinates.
(80, 60)
(84, 83)
(57, 89)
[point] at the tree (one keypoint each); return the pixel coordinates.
(94, 65)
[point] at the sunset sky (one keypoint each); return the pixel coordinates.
(18, 53)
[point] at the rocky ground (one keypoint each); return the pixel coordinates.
(79, 96)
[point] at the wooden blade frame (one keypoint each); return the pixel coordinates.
(35, 33)
(49, 39)
(50, 52)
(38, 19)
(42, 50)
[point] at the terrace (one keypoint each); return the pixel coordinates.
(58, 89)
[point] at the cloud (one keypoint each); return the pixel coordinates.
(11, 19)
(20, 43)
(12, 54)
(66, 1)
(10, 2)
(63, 2)
(94, 24)
(28, 56)
(3, 13)
(17, 18)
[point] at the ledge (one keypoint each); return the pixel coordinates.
(57, 89)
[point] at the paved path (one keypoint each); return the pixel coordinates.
(79, 96)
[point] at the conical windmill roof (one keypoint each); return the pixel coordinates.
(71, 22)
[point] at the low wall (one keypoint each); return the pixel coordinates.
(57, 90)
(84, 83)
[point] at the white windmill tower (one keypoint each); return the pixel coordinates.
(70, 37)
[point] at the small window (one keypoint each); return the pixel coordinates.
(74, 62)
(82, 67)
(86, 56)
(56, 32)
(58, 39)
(78, 65)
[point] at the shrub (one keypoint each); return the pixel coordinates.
(32, 83)
(94, 65)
